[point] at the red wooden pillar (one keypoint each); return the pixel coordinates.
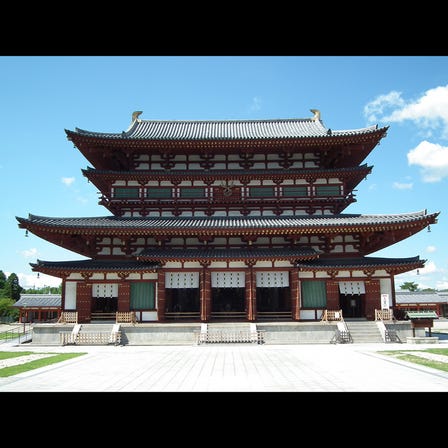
(62, 296)
(251, 299)
(161, 295)
(206, 294)
(295, 293)
(392, 287)
(124, 296)
(372, 298)
(84, 301)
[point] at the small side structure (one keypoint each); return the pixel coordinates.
(39, 307)
(420, 301)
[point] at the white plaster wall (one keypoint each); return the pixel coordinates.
(149, 315)
(386, 288)
(309, 314)
(112, 276)
(70, 296)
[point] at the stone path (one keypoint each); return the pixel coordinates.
(230, 368)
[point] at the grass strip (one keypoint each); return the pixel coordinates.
(10, 335)
(7, 355)
(36, 364)
(423, 361)
(438, 351)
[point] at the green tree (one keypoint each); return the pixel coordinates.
(44, 290)
(2, 279)
(410, 286)
(12, 287)
(5, 307)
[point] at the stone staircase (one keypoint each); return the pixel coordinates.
(364, 331)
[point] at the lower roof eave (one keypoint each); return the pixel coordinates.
(392, 265)
(65, 268)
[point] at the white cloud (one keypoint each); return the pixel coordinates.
(431, 249)
(31, 281)
(376, 108)
(441, 285)
(429, 112)
(430, 268)
(67, 181)
(82, 199)
(256, 104)
(432, 158)
(402, 186)
(30, 253)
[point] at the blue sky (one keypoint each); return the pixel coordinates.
(40, 96)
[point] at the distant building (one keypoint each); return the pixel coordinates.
(418, 300)
(229, 219)
(39, 307)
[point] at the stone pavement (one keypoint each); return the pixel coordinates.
(229, 368)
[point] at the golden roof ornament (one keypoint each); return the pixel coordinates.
(135, 115)
(316, 113)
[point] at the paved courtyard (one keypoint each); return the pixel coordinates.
(231, 368)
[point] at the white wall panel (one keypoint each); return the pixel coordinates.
(70, 296)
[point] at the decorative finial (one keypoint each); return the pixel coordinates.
(316, 113)
(135, 115)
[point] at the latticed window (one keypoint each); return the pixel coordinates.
(159, 193)
(314, 294)
(295, 191)
(192, 192)
(328, 190)
(261, 192)
(126, 193)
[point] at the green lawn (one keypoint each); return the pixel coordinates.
(36, 364)
(10, 334)
(406, 355)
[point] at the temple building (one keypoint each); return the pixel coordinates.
(232, 219)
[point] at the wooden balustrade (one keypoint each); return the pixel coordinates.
(125, 317)
(68, 317)
(332, 315)
(230, 336)
(69, 338)
(385, 314)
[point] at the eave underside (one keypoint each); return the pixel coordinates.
(336, 152)
(368, 265)
(368, 240)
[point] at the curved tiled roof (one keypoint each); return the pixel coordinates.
(38, 300)
(358, 262)
(92, 265)
(226, 130)
(404, 297)
(251, 222)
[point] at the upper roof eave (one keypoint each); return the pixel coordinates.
(226, 130)
(226, 223)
